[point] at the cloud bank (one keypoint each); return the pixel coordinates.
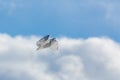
(95, 58)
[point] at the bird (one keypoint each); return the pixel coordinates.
(46, 42)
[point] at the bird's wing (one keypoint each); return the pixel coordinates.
(54, 44)
(45, 38)
(42, 45)
(42, 41)
(47, 45)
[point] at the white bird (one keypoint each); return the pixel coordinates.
(45, 42)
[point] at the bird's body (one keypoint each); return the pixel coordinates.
(45, 42)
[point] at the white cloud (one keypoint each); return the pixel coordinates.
(71, 68)
(77, 59)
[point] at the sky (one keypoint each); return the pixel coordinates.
(87, 31)
(73, 18)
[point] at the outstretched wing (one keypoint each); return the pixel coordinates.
(42, 41)
(45, 38)
(54, 44)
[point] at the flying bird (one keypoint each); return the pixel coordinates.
(45, 42)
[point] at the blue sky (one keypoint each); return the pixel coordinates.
(78, 18)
